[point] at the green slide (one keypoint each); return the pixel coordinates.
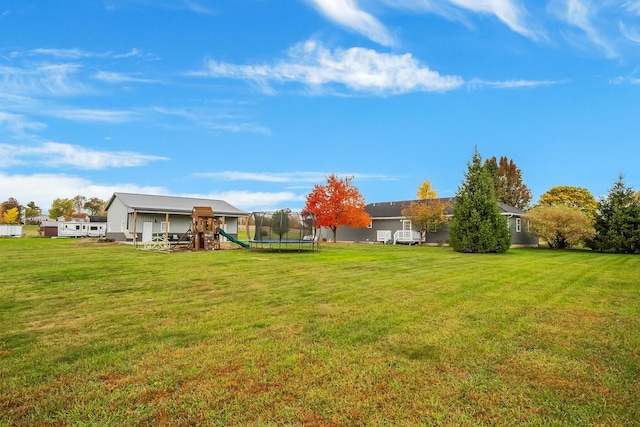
(234, 240)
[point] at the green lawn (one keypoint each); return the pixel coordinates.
(104, 334)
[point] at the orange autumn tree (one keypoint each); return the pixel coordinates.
(337, 203)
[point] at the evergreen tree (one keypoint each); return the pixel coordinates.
(617, 221)
(477, 224)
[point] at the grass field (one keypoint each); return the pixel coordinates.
(102, 334)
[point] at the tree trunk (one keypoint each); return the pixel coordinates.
(335, 233)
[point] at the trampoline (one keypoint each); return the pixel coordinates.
(282, 230)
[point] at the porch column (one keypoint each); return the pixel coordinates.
(166, 227)
(135, 221)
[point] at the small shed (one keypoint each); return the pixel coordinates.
(49, 229)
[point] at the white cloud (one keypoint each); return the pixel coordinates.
(285, 177)
(631, 34)
(513, 84)
(252, 201)
(349, 15)
(54, 154)
(633, 6)
(74, 53)
(132, 53)
(215, 120)
(43, 188)
(44, 80)
(17, 123)
(311, 177)
(359, 69)
(506, 11)
(580, 14)
(111, 77)
(87, 115)
(625, 80)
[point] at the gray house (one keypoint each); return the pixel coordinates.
(388, 225)
(144, 217)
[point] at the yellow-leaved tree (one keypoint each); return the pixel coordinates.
(426, 214)
(425, 191)
(11, 216)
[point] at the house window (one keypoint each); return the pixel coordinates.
(406, 225)
(122, 226)
(163, 227)
(518, 225)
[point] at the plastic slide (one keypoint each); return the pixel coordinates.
(234, 240)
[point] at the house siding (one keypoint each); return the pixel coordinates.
(390, 219)
(522, 238)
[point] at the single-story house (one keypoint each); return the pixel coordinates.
(143, 217)
(388, 225)
(37, 219)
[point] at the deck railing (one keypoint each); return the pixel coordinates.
(406, 236)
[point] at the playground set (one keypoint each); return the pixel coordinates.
(279, 230)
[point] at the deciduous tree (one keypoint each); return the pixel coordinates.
(477, 225)
(337, 203)
(426, 191)
(507, 182)
(95, 206)
(561, 226)
(11, 203)
(61, 208)
(426, 215)
(11, 216)
(78, 203)
(576, 197)
(617, 221)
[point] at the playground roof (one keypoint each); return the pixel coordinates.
(172, 204)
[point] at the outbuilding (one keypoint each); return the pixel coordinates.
(145, 217)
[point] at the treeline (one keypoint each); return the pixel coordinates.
(564, 217)
(12, 212)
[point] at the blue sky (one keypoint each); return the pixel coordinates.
(255, 101)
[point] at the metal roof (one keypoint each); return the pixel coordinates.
(173, 204)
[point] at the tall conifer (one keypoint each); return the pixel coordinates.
(617, 220)
(477, 224)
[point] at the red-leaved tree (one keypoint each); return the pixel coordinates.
(337, 203)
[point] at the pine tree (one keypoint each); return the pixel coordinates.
(477, 224)
(617, 221)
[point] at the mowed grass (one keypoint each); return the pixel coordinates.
(104, 334)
